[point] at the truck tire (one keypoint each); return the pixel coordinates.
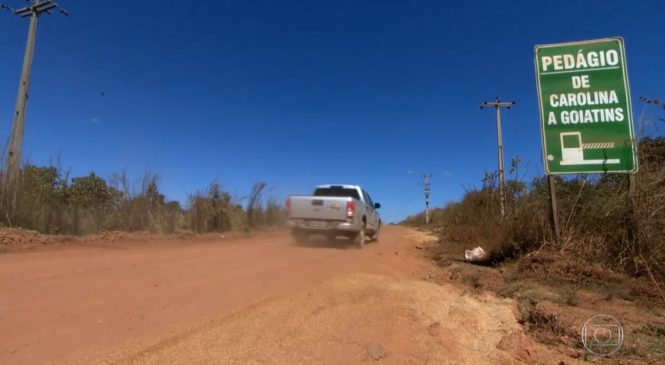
(360, 237)
(330, 236)
(300, 236)
(375, 236)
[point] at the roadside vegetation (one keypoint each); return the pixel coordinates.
(49, 201)
(610, 258)
(599, 220)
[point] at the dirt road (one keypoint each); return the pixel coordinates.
(251, 300)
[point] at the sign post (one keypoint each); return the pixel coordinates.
(585, 110)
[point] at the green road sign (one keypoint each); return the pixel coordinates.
(585, 111)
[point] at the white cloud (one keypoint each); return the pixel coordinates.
(409, 172)
(95, 120)
(446, 173)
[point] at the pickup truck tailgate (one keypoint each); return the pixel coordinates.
(318, 207)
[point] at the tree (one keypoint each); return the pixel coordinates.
(92, 197)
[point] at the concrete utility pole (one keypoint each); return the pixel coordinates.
(640, 122)
(14, 151)
(638, 136)
(498, 104)
(428, 190)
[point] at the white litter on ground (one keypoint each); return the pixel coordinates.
(475, 255)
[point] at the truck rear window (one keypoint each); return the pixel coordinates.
(337, 191)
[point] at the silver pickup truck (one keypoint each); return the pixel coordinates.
(334, 210)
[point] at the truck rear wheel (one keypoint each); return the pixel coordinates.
(360, 237)
(300, 236)
(375, 236)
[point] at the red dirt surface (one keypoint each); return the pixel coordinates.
(250, 300)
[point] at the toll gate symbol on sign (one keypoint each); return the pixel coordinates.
(572, 150)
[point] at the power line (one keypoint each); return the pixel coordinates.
(14, 152)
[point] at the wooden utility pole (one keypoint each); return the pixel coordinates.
(15, 149)
(554, 217)
(497, 105)
(428, 190)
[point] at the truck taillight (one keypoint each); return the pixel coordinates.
(350, 209)
(287, 207)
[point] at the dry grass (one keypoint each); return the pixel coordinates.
(611, 257)
(601, 223)
(556, 293)
(49, 201)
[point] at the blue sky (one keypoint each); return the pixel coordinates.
(298, 93)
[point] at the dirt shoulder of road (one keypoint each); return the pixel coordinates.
(556, 293)
(19, 240)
